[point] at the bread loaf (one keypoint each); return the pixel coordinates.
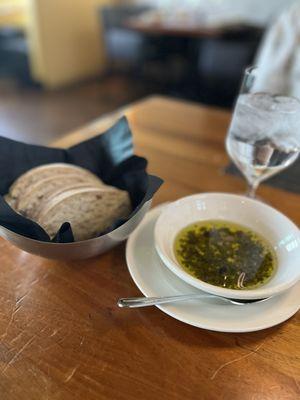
(29, 202)
(56, 193)
(89, 210)
(36, 174)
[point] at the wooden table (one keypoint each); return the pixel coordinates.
(62, 336)
(184, 29)
(159, 29)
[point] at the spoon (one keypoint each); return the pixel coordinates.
(135, 302)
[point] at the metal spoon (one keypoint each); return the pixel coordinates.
(134, 302)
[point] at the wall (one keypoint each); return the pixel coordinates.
(65, 40)
(13, 13)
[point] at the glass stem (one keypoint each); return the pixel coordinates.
(252, 187)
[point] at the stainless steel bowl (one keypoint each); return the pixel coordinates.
(77, 250)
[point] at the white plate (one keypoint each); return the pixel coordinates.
(153, 278)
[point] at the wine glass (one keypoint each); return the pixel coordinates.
(264, 134)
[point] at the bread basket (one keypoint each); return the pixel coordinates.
(76, 250)
(110, 156)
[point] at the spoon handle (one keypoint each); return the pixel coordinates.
(135, 302)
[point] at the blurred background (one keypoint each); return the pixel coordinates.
(65, 62)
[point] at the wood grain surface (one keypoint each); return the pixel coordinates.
(183, 28)
(160, 29)
(62, 336)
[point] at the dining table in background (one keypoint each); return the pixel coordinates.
(62, 335)
(186, 26)
(160, 29)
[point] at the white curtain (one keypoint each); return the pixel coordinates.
(279, 57)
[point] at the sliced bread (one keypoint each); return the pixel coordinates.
(89, 210)
(42, 172)
(33, 197)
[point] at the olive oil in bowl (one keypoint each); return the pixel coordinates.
(225, 254)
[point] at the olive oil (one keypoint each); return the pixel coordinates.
(225, 254)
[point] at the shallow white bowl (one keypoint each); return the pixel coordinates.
(282, 234)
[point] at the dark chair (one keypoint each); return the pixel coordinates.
(14, 59)
(124, 47)
(221, 63)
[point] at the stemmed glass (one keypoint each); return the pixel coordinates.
(264, 134)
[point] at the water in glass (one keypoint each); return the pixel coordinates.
(264, 135)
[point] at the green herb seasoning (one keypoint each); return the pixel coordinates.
(225, 254)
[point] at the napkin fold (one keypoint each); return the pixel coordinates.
(109, 155)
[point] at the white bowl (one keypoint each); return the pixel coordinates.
(282, 234)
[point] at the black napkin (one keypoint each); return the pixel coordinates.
(109, 156)
(288, 179)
